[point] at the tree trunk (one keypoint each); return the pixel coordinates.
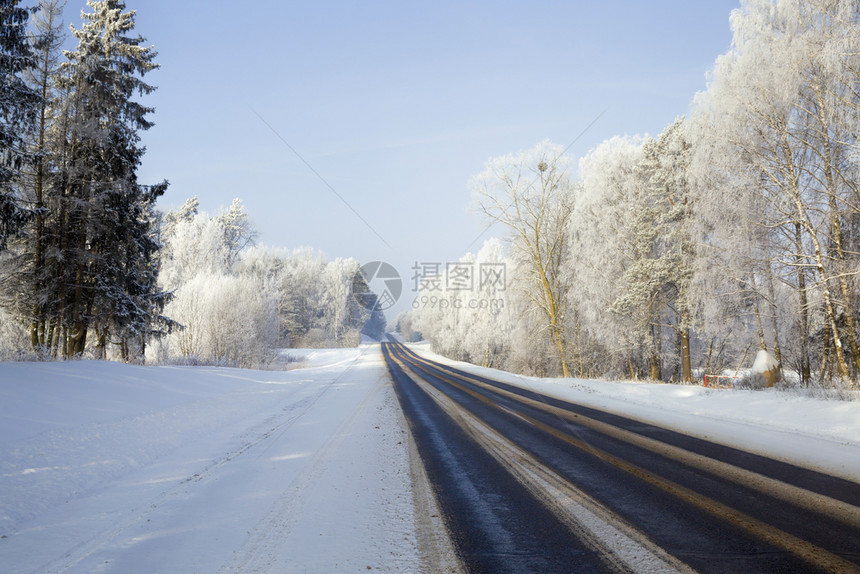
(39, 186)
(101, 344)
(827, 156)
(839, 356)
(805, 361)
(654, 368)
(826, 354)
(774, 318)
(556, 326)
(579, 346)
(559, 344)
(762, 344)
(686, 363)
(818, 257)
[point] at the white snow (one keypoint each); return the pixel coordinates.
(113, 468)
(764, 362)
(813, 433)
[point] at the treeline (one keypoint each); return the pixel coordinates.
(669, 257)
(88, 267)
(238, 303)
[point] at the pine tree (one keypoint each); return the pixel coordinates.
(47, 38)
(18, 105)
(104, 268)
(657, 281)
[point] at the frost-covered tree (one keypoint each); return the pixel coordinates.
(226, 319)
(338, 301)
(225, 311)
(735, 230)
(239, 232)
(193, 243)
(472, 321)
(633, 249)
(530, 193)
(300, 290)
(236, 303)
(657, 282)
(603, 246)
(168, 221)
(407, 327)
(489, 315)
(18, 108)
(47, 39)
(783, 106)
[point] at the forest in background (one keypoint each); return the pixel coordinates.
(737, 229)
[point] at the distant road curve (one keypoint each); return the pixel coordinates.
(530, 483)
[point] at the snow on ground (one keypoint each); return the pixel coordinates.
(301, 358)
(814, 433)
(114, 468)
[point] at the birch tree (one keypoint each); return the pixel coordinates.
(783, 97)
(530, 194)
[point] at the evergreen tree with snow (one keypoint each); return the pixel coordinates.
(29, 250)
(104, 272)
(18, 105)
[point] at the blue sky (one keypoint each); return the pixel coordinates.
(397, 104)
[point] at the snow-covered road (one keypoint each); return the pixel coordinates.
(111, 468)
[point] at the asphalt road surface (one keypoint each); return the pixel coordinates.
(529, 483)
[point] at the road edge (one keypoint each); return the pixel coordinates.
(435, 547)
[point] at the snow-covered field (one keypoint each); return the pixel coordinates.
(113, 468)
(814, 433)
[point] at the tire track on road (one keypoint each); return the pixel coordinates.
(624, 547)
